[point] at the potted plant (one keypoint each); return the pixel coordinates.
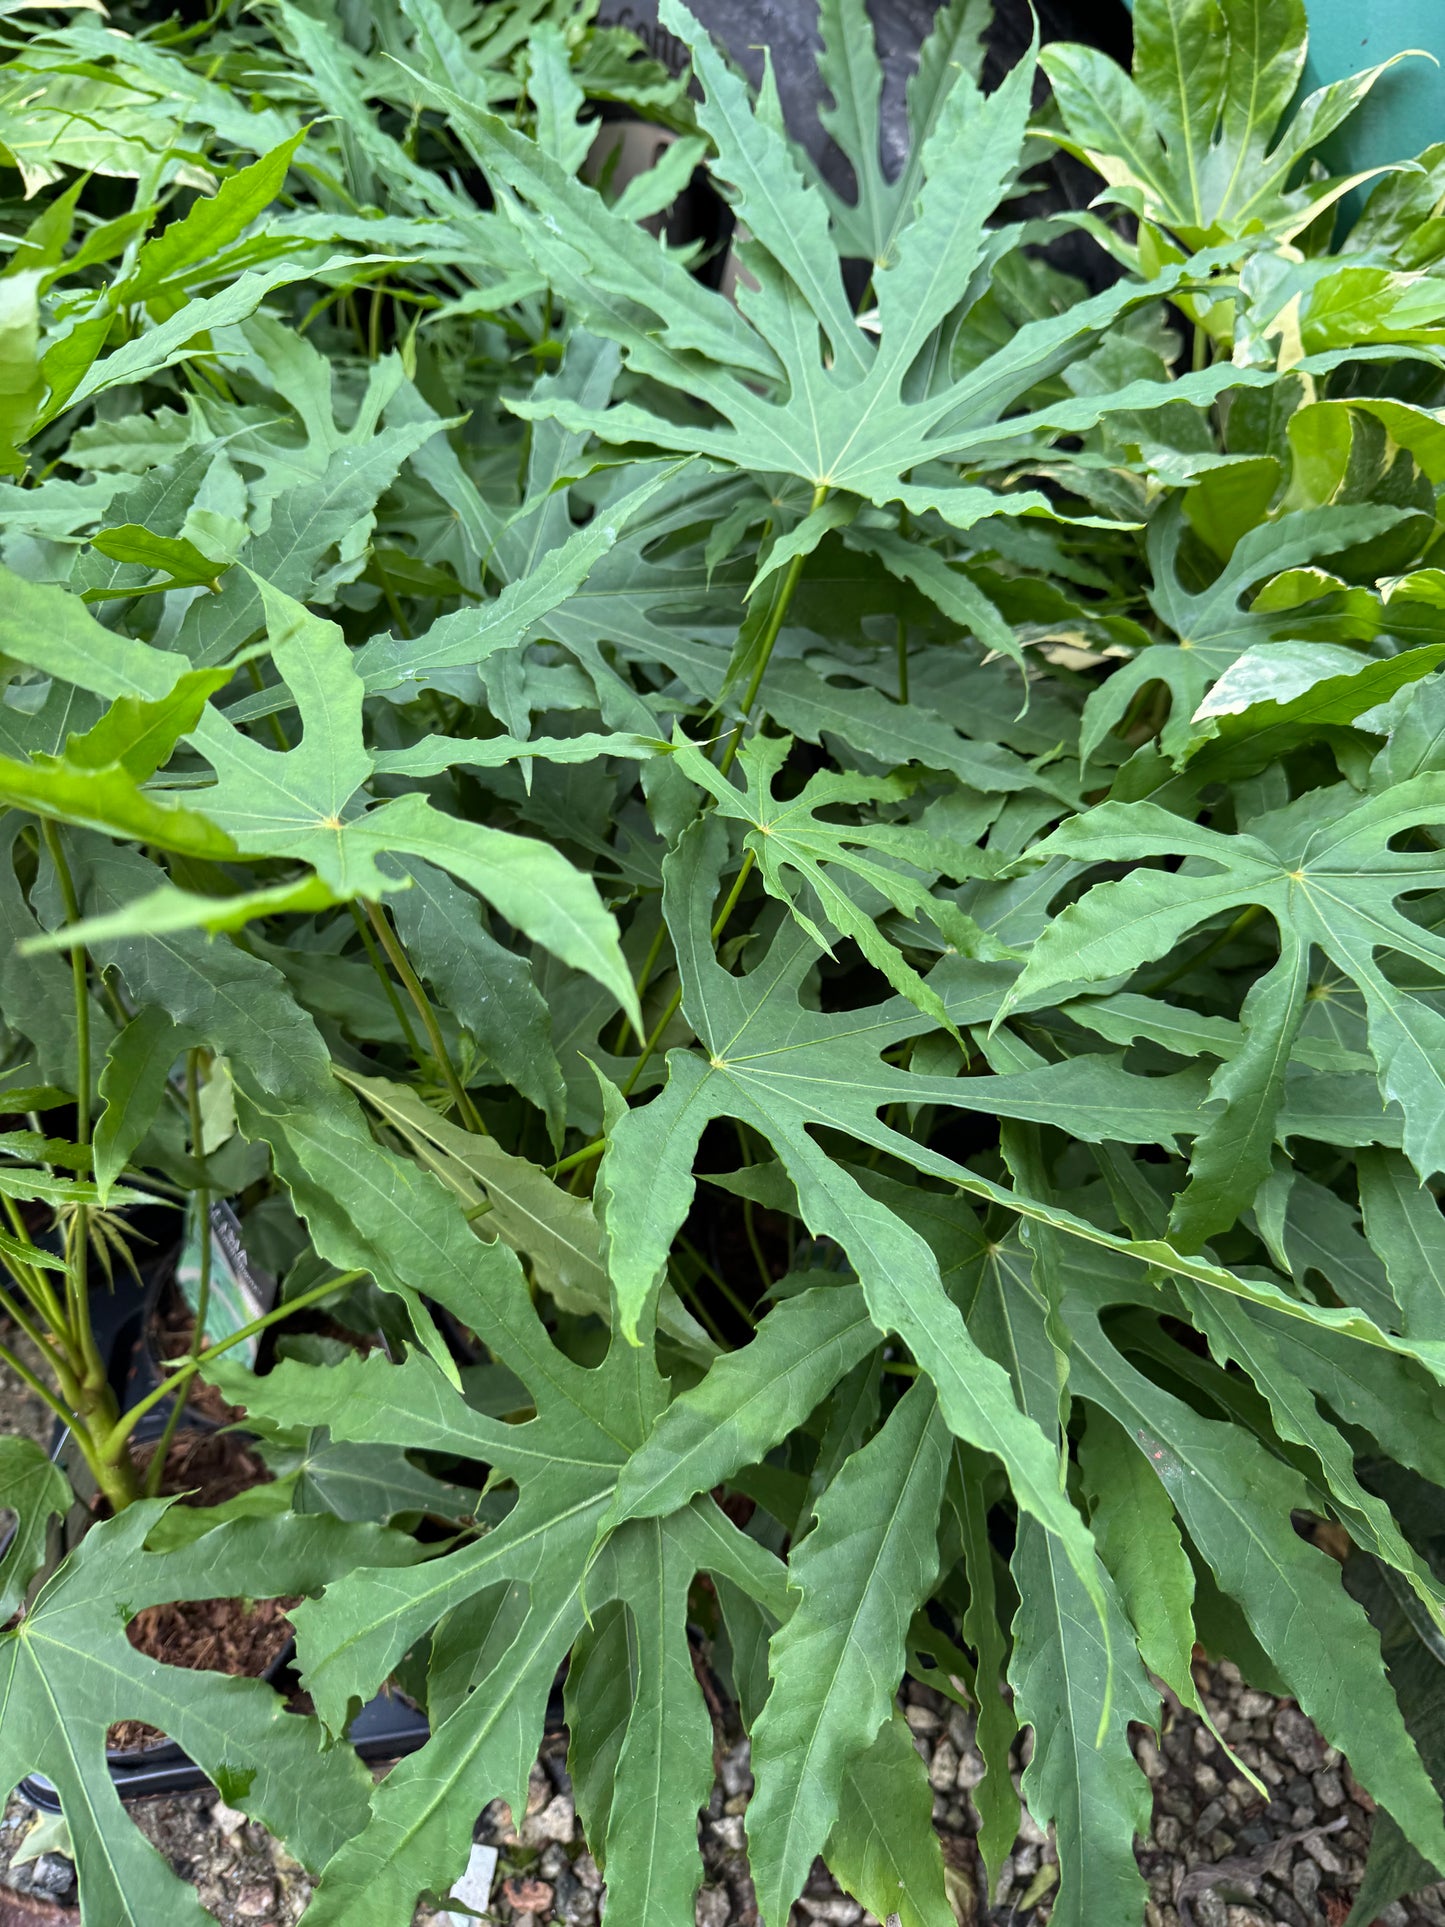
(822, 905)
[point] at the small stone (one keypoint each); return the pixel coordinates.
(557, 1820)
(1393, 1916)
(956, 1819)
(735, 1770)
(1297, 1739)
(1203, 1743)
(729, 1832)
(1004, 1884)
(585, 1868)
(1304, 1882)
(1282, 1908)
(1207, 1781)
(922, 1720)
(1209, 1818)
(254, 1903)
(1167, 1833)
(1329, 1788)
(1030, 1831)
(1147, 1754)
(971, 1769)
(962, 1728)
(1244, 1917)
(943, 1768)
(713, 1907)
(1026, 1862)
(1323, 1854)
(737, 1804)
(229, 1819)
(53, 1875)
(539, 1788)
(1253, 1706)
(552, 1861)
(525, 1895)
(832, 1908)
(1173, 1799)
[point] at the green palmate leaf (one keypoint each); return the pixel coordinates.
(68, 1671)
(759, 1064)
(566, 1461)
(747, 1403)
(1230, 1493)
(850, 68)
(1324, 870)
(860, 1573)
(994, 1798)
(1212, 628)
(1404, 1225)
(1138, 1540)
(488, 988)
(133, 1084)
(1077, 1685)
(304, 803)
(791, 837)
(849, 418)
(883, 1848)
(33, 1491)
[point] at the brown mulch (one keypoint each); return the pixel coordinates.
(242, 1637)
(207, 1468)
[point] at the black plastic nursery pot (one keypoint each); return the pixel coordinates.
(122, 1313)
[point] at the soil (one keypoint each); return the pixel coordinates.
(169, 1334)
(207, 1468)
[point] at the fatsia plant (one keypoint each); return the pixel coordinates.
(822, 906)
(1205, 139)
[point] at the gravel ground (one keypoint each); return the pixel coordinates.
(1217, 1854)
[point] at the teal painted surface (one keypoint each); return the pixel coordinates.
(1405, 110)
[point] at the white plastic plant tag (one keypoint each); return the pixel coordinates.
(474, 1889)
(237, 1295)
